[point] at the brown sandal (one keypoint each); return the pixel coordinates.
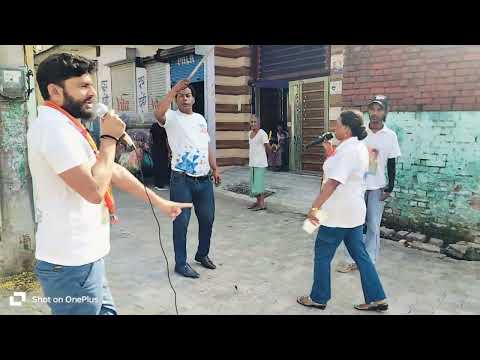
(259, 208)
(306, 301)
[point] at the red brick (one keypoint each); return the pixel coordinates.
(414, 62)
(396, 51)
(442, 101)
(444, 87)
(420, 69)
(440, 94)
(431, 107)
(447, 80)
(461, 72)
(465, 100)
(457, 65)
(379, 66)
(378, 90)
(428, 87)
(471, 86)
(467, 93)
(362, 91)
(408, 75)
(446, 73)
(438, 67)
(363, 85)
(474, 57)
(461, 79)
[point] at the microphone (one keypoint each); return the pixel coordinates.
(324, 137)
(100, 110)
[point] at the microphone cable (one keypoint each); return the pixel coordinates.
(159, 235)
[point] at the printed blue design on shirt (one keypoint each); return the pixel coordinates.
(187, 165)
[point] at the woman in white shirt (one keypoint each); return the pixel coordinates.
(342, 200)
(258, 147)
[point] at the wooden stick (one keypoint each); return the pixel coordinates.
(200, 64)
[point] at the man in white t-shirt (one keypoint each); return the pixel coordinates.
(383, 147)
(192, 160)
(71, 188)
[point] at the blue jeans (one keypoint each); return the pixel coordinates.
(374, 218)
(200, 192)
(76, 290)
(326, 245)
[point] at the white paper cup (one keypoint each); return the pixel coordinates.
(309, 227)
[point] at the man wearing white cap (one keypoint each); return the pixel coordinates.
(383, 147)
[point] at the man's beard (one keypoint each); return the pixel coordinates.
(74, 107)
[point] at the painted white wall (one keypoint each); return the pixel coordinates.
(113, 53)
(209, 94)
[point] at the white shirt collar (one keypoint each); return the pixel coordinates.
(369, 131)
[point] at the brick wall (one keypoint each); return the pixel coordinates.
(437, 189)
(414, 77)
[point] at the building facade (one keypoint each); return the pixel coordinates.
(434, 93)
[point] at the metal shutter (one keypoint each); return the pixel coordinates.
(291, 62)
(158, 81)
(123, 88)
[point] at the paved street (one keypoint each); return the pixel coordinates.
(264, 261)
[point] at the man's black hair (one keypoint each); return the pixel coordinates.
(192, 89)
(57, 68)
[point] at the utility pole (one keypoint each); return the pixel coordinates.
(17, 224)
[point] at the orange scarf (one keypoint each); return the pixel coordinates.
(108, 197)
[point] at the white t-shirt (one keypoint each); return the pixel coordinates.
(346, 206)
(71, 231)
(257, 153)
(386, 143)
(188, 139)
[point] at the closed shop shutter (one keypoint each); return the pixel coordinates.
(291, 62)
(158, 81)
(123, 87)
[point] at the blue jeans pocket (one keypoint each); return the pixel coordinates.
(43, 268)
(84, 273)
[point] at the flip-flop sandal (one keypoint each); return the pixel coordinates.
(372, 307)
(306, 301)
(259, 208)
(252, 206)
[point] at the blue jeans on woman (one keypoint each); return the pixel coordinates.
(373, 220)
(326, 244)
(76, 290)
(184, 188)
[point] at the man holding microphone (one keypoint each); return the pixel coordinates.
(72, 188)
